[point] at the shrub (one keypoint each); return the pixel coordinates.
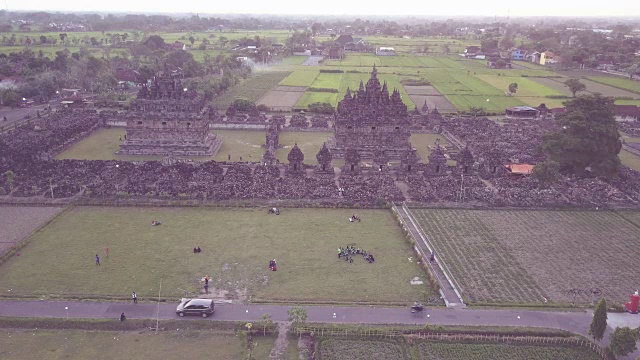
(331, 71)
(328, 90)
(321, 107)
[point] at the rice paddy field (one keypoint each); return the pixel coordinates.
(523, 257)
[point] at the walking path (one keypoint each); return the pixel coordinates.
(576, 322)
(448, 290)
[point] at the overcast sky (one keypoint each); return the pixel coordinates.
(346, 7)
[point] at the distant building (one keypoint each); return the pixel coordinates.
(518, 54)
(522, 112)
(534, 57)
(386, 51)
(626, 112)
(548, 58)
(493, 62)
(471, 51)
(336, 52)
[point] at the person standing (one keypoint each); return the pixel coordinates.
(97, 260)
(206, 287)
(135, 297)
(107, 251)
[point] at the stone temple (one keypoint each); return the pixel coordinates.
(169, 120)
(372, 121)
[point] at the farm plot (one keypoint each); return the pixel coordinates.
(630, 159)
(520, 256)
(282, 98)
(490, 103)
(526, 87)
(607, 90)
(631, 85)
(300, 78)
(480, 263)
(311, 97)
(327, 81)
(556, 84)
(121, 345)
(294, 60)
(443, 350)
(343, 349)
(18, 222)
(421, 94)
(253, 88)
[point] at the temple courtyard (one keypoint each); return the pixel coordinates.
(237, 244)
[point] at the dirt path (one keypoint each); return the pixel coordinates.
(280, 347)
(404, 189)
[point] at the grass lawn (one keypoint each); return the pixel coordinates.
(240, 143)
(422, 142)
(294, 60)
(309, 142)
(300, 78)
(101, 145)
(76, 344)
(236, 243)
(526, 87)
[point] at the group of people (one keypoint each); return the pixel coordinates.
(354, 218)
(347, 253)
(155, 223)
(197, 249)
(272, 265)
(273, 210)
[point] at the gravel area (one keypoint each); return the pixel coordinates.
(18, 222)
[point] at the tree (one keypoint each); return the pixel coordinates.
(513, 87)
(265, 320)
(11, 98)
(587, 137)
(632, 70)
(10, 175)
(575, 85)
(546, 172)
(297, 315)
(223, 41)
(599, 323)
(43, 39)
(192, 40)
(154, 42)
(445, 48)
(623, 341)
(507, 42)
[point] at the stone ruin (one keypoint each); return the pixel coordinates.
(324, 158)
(166, 119)
(296, 162)
(369, 120)
(351, 163)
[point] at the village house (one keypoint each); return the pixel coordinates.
(471, 51)
(385, 51)
(518, 54)
(522, 112)
(626, 112)
(495, 61)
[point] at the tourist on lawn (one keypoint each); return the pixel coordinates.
(206, 288)
(97, 260)
(122, 317)
(134, 297)
(107, 251)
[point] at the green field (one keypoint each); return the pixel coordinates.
(502, 256)
(172, 344)
(364, 349)
(236, 244)
(311, 97)
(253, 88)
(300, 78)
(626, 84)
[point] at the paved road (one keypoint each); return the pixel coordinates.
(577, 322)
(18, 114)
